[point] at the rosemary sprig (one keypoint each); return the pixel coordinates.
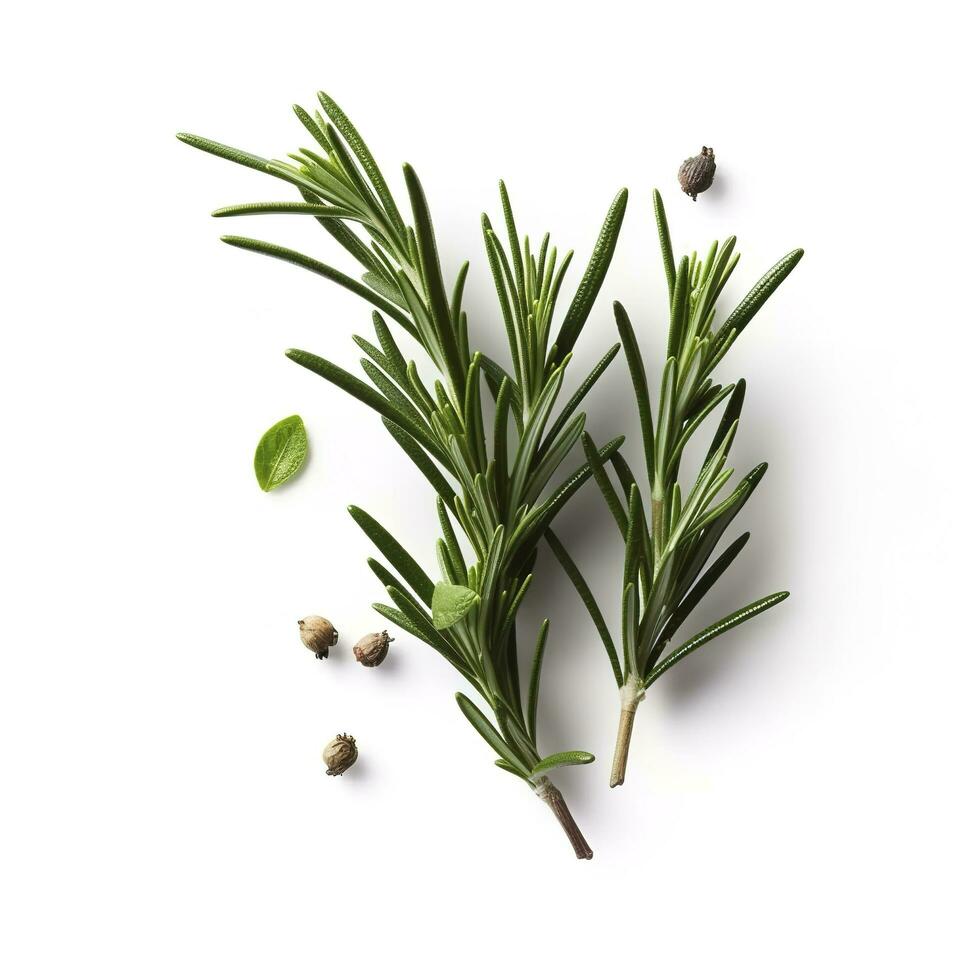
(669, 535)
(491, 473)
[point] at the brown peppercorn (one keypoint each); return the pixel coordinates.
(317, 635)
(340, 754)
(370, 650)
(697, 173)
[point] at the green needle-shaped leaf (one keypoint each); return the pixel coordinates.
(678, 310)
(573, 757)
(639, 377)
(407, 619)
(280, 453)
(595, 273)
(321, 269)
(404, 563)
(507, 767)
(542, 516)
(722, 626)
(419, 457)
(490, 734)
(450, 603)
(605, 484)
(242, 157)
(696, 594)
(435, 288)
(576, 399)
(663, 232)
(282, 207)
(534, 681)
(760, 292)
(733, 411)
(585, 593)
(365, 393)
(339, 118)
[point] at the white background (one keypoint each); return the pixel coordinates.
(801, 800)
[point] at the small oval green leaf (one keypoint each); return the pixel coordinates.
(574, 757)
(280, 453)
(450, 603)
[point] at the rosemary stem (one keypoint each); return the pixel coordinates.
(550, 793)
(631, 694)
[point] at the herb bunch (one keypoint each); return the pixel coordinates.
(669, 535)
(491, 471)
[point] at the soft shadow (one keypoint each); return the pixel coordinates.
(719, 190)
(358, 773)
(753, 575)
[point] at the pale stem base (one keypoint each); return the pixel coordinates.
(550, 793)
(631, 694)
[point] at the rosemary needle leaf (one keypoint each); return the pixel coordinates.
(733, 411)
(495, 376)
(313, 128)
(404, 563)
(457, 301)
(419, 457)
(605, 484)
(242, 157)
(435, 288)
(712, 535)
(493, 738)
(408, 619)
(722, 626)
(339, 118)
(507, 767)
(678, 309)
(624, 472)
(534, 682)
(663, 232)
(639, 377)
(696, 594)
(283, 207)
(345, 237)
(572, 757)
(591, 282)
(321, 269)
(549, 510)
(576, 399)
(761, 291)
(365, 393)
(578, 580)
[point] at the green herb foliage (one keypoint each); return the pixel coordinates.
(670, 533)
(280, 453)
(492, 469)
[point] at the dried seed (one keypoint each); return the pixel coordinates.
(318, 635)
(370, 650)
(340, 754)
(697, 173)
